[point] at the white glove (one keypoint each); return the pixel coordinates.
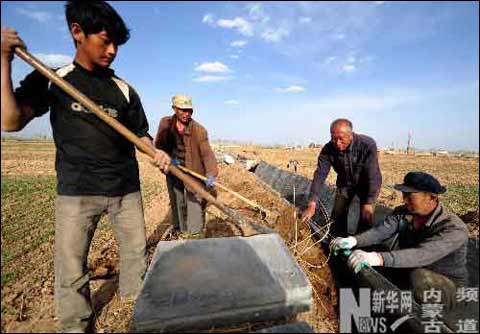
(342, 243)
(359, 259)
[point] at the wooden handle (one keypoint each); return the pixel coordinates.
(234, 193)
(85, 101)
(243, 224)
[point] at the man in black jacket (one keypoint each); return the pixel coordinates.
(354, 158)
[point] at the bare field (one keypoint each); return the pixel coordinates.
(28, 192)
(459, 175)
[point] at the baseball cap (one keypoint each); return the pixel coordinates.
(415, 182)
(182, 101)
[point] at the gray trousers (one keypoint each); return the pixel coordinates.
(76, 221)
(188, 212)
(423, 280)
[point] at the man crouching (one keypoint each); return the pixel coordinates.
(424, 238)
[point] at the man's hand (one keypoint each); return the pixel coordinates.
(359, 259)
(10, 40)
(210, 181)
(342, 243)
(161, 160)
(309, 211)
(366, 213)
(175, 162)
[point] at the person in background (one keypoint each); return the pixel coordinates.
(354, 159)
(186, 141)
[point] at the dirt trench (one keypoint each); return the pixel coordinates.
(35, 304)
(281, 218)
(322, 317)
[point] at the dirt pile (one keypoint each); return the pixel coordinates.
(471, 219)
(31, 300)
(310, 256)
(27, 299)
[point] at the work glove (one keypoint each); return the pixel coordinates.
(360, 259)
(210, 181)
(338, 244)
(175, 162)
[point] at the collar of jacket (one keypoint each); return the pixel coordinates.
(100, 72)
(435, 214)
(349, 148)
(188, 128)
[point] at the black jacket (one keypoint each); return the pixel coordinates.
(91, 157)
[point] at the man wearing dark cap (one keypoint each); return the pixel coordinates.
(354, 158)
(421, 236)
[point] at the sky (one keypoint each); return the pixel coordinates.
(281, 72)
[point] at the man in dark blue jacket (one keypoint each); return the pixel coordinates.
(354, 159)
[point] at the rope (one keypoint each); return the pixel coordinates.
(319, 230)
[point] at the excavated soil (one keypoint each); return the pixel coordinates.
(27, 301)
(30, 300)
(281, 217)
(471, 219)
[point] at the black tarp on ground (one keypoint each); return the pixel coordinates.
(283, 182)
(198, 284)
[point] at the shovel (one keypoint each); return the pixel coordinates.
(242, 223)
(263, 212)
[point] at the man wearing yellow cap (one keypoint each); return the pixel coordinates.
(186, 141)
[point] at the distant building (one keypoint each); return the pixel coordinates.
(423, 154)
(441, 154)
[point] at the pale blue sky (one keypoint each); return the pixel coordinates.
(269, 72)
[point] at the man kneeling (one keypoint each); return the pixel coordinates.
(423, 238)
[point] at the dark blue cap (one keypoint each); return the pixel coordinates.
(415, 182)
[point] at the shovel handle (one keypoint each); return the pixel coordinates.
(84, 100)
(234, 193)
(245, 226)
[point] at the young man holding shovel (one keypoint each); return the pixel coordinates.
(97, 171)
(186, 141)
